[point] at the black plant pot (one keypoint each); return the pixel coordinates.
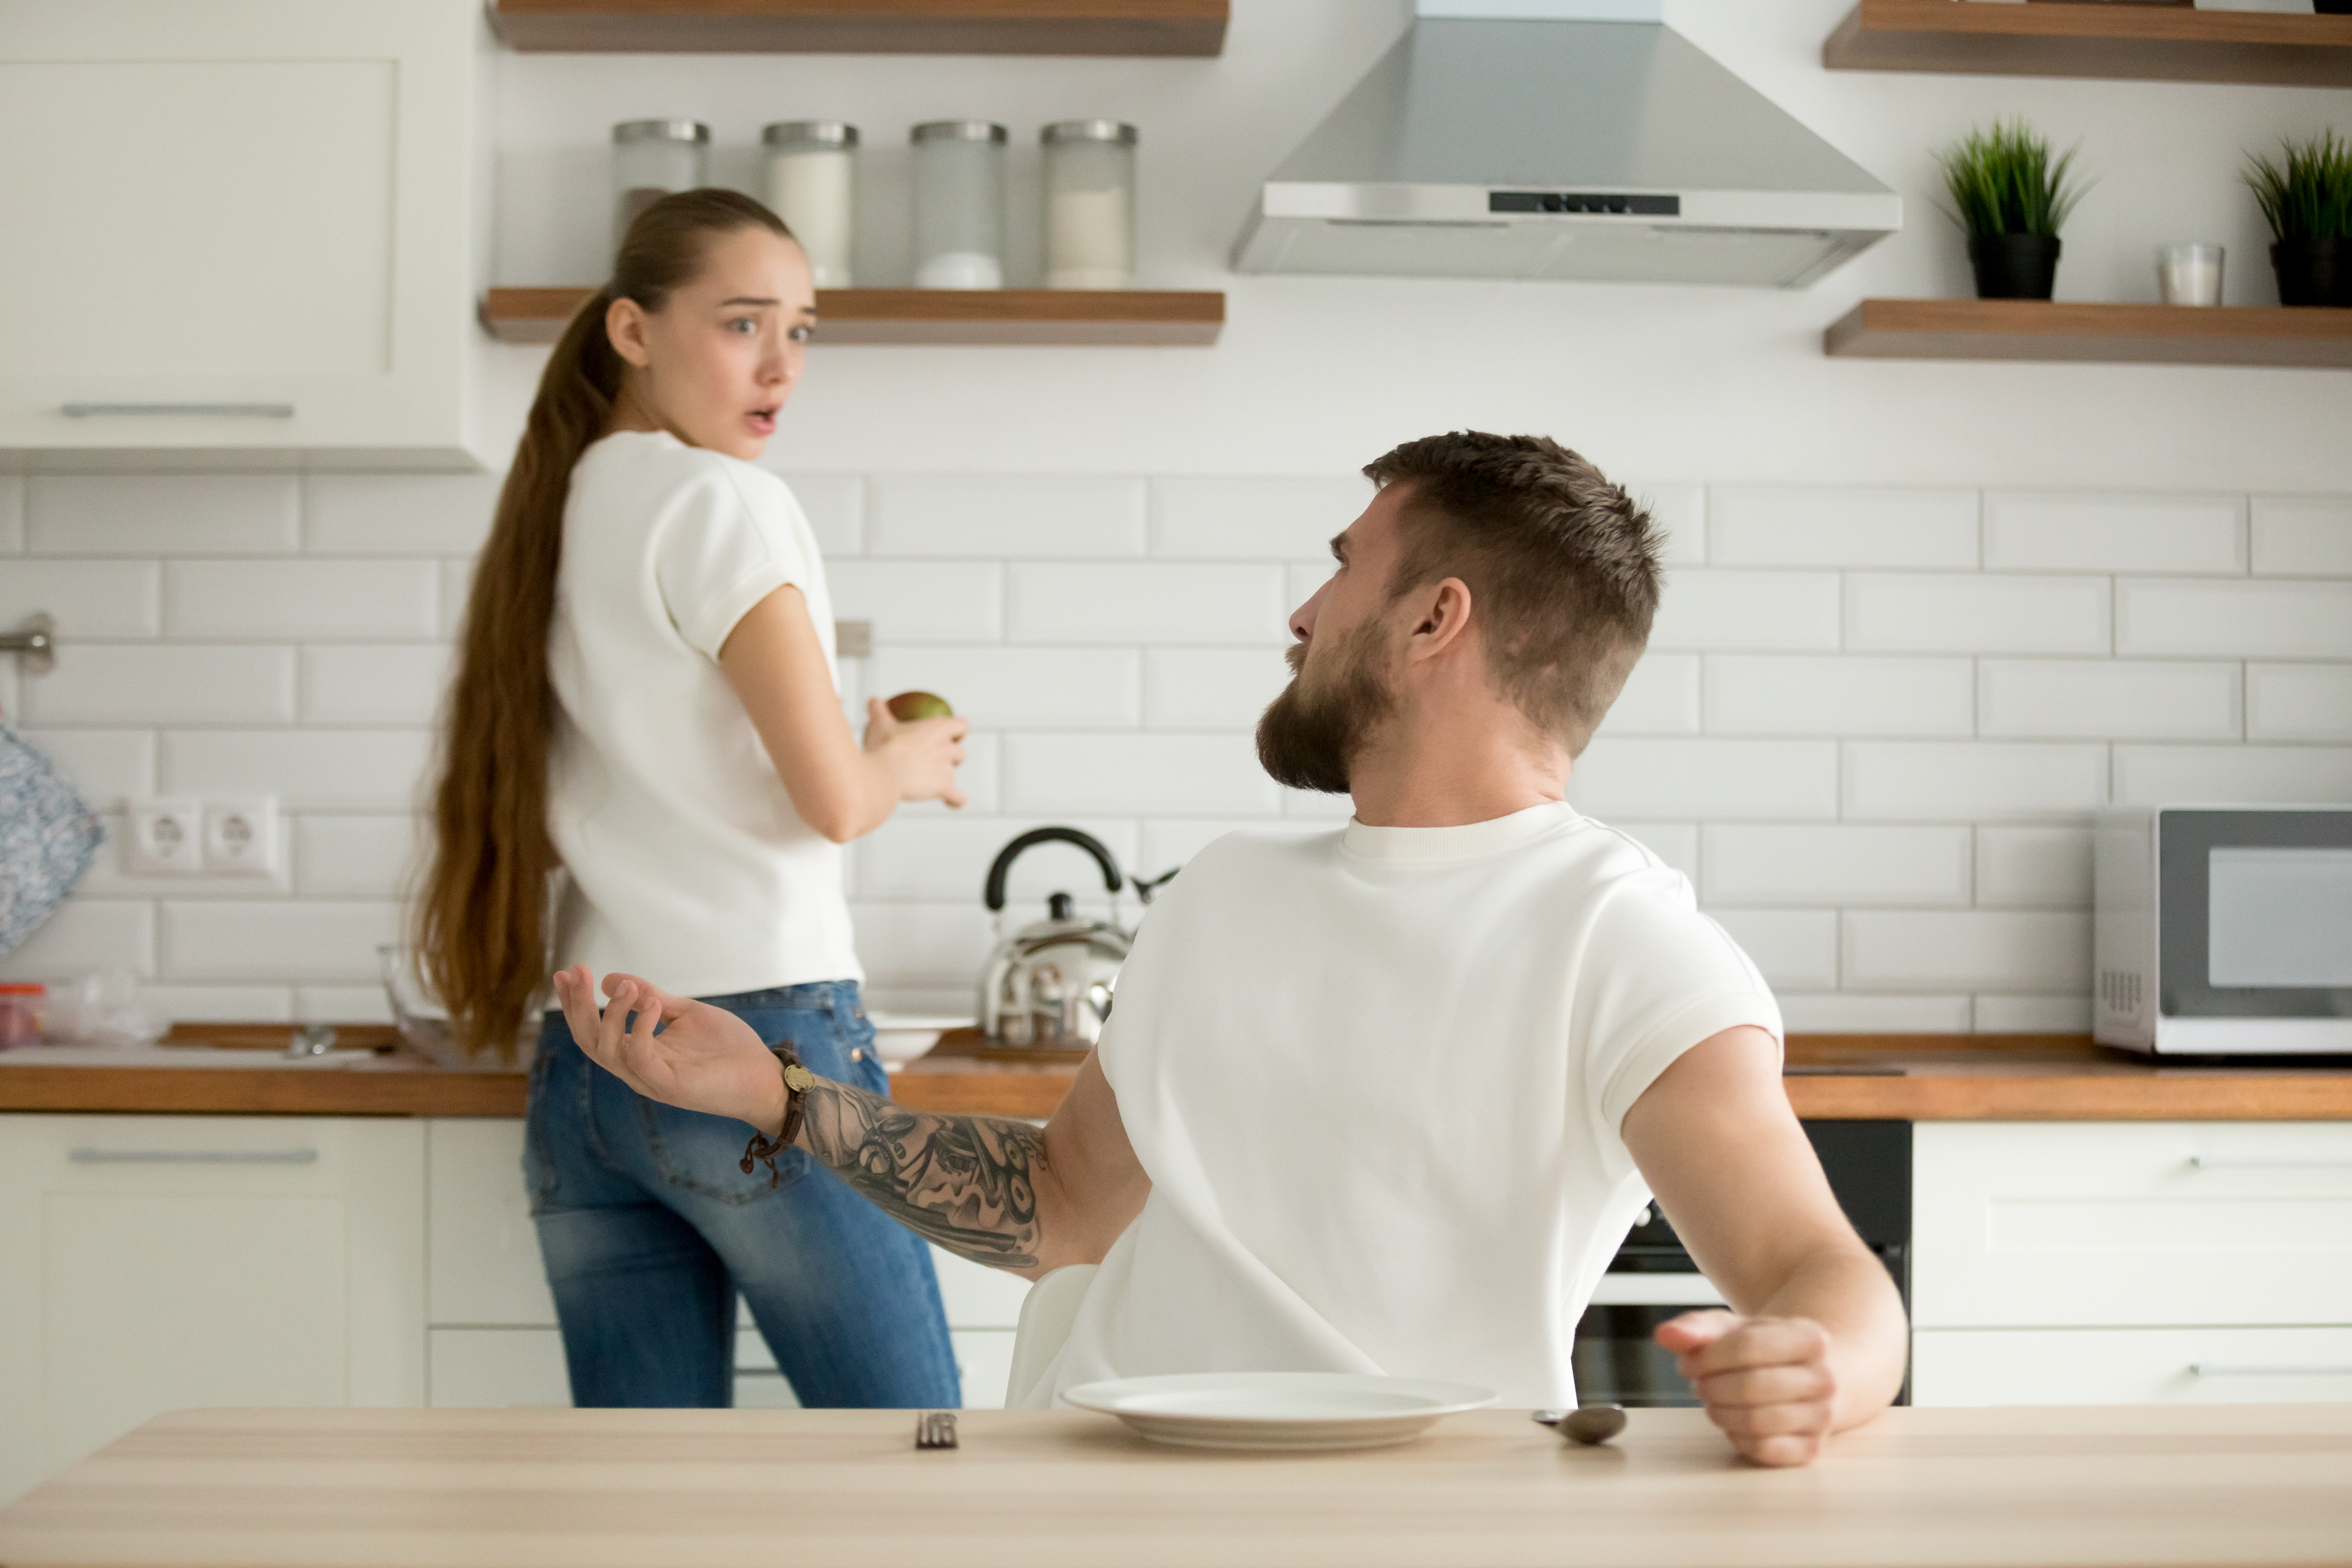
(2014, 266)
(2312, 271)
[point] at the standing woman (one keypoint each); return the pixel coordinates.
(647, 699)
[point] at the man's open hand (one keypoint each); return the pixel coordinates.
(705, 1058)
(1767, 1381)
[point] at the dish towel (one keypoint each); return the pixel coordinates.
(48, 838)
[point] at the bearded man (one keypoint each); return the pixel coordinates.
(1386, 1098)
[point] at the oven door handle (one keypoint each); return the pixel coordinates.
(2207, 1163)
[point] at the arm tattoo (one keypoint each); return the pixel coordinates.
(967, 1183)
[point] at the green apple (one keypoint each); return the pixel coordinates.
(909, 706)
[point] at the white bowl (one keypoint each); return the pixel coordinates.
(900, 1037)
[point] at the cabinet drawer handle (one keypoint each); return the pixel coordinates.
(2206, 1369)
(181, 410)
(2204, 1163)
(194, 1156)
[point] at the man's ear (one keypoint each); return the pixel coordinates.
(624, 324)
(1444, 617)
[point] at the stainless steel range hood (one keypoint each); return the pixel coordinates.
(1488, 143)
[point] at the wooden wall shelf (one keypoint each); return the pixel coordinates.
(2124, 334)
(1175, 27)
(2144, 43)
(1151, 317)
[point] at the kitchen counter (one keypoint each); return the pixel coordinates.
(1913, 1077)
(2119, 1488)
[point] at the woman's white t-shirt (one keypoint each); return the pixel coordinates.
(688, 864)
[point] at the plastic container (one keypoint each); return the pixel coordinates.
(959, 205)
(1089, 205)
(812, 185)
(2189, 274)
(21, 1007)
(653, 159)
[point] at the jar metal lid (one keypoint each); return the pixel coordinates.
(959, 130)
(629, 130)
(809, 133)
(1114, 130)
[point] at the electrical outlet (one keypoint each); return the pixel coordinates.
(241, 836)
(166, 839)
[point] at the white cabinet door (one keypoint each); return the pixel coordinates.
(485, 1264)
(2054, 1224)
(160, 1262)
(498, 1368)
(2131, 1366)
(244, 228)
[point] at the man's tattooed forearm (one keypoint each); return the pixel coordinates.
(967, 1183)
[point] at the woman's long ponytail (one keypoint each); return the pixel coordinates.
(480, 922)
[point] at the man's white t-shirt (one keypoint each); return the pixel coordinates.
(688, 864)
(1376, 1076)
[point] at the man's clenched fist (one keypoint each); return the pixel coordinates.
(1767, 1381)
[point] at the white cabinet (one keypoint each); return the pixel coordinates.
(2107, 1262)
(155, 1263)
(250, 228)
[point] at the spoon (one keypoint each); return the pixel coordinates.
(1592, 1424)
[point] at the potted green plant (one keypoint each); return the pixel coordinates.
(2308, 201)
(2011, 196)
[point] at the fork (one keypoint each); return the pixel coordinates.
(935, 1429)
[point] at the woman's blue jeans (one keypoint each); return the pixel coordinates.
(649, 1227)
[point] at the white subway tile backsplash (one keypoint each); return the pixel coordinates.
(1778, 525)
(938, 859)
(2033, 867)
(1170, 604)
(1154, 775)
(1850, 865)
(920, 601)
(374, 683)
(940, 945)
(2160, 775)
(12, 514)
(2055, 699)
(1308, 807)
(1795, 948)
(1661, 698)
(455, 583)
(1000, 516)
(1706, 778)
(397, 514)
(84, 937)
(1795, 694)
(107, 766)
(1678, 513)
(1705, 607)
(999, 687)
(2234, 620)
(1927, 781)
(2299, 703)
(160, 683)
(2034, 1015)
(352, 770)
(341, 1005)
(1675, 843)
(1859, 1014)
(162, 514)
(1253, 519)
(834, 505)
(2114, 534)
(1974, 949)
(86, 598)
(1955, 614)
(222, 1004)
(1210, 689)
(336, 601)
(1301, 581)
(288, 940)
(2302, 536)
(356, 857)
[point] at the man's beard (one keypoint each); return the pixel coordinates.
(1308, 740)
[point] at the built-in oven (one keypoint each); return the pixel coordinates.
(1653, 1277)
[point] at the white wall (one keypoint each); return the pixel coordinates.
(1924, 616)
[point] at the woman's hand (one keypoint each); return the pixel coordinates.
(921, 756)
(705, 1058)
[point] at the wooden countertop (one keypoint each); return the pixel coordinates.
(2118, 1488)
(1914, 1078)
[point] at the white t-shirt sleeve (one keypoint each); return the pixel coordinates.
(1658, 978)
(729, 543)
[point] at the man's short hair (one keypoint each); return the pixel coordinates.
(1562, 567)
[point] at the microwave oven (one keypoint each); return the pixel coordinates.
(2223, 930)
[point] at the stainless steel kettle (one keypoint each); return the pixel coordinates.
(1049, 985)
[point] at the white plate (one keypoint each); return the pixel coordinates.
(1294, 1412)
(900, 1037)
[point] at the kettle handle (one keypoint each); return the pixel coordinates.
(993, 895)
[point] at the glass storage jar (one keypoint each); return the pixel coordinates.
(21, 1006)
(1089, 205)
(959, 205)
(653, 159)
(812, 185)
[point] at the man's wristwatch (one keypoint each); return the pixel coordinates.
(798, 1081)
